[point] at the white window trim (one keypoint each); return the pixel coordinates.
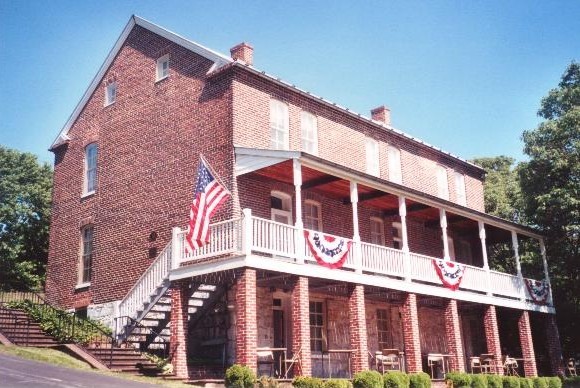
(81, 283)
(460, 190)
(394, 162)
(86, 192)
(442, 182)
(309, 134)
(372, 156)
(108, 100)
(382, 222)
(319, 211)
(159, 68)
(284, 129)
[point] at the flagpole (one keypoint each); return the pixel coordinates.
(215, 175)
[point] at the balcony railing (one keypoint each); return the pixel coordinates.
(277, 241)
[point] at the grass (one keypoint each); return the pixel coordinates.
(56, 357)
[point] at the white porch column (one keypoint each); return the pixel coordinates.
(443, 222)
(175, 245)
(299, 236)
(516, 247)
(482, 237)
(546, 272)
(357, 252)
(404, 238)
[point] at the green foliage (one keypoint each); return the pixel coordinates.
(239, 376)
(459, 380)
(267, 382)
(494, 381)
(337, 383)
(511, 382)
(396, 379)
(367, 379)
(307, 382)
(419, 380)
(479, 381)
(162, 363)
(25, 196)
(571, 382)
(526, 382)
(554, 382)
(540, 382)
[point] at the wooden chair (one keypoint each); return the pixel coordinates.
(266, 357)
(510, 366)
(475, 364)
(571, 367)
(391, 359)
(289, 364)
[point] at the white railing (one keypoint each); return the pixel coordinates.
(273, 237)
(348, 263)
(505, 284)
(144, 288)
(474, 278)
(422, 268)
(383, 260)
(225, 238)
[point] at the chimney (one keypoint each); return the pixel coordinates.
(243, 52)
(382, 114)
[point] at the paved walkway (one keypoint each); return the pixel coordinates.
(17, 372)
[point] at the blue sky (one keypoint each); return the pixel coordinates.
(465, 76)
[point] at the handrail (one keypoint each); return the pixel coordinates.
(16, 320)
(137, 325)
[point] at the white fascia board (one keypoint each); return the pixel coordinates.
(217, 58)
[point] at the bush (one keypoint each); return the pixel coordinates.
(267, 382)
(479, 381)
(396, 380)
(337, 383)
(367, 379)
(307, 382)
(571, 382)
(494, 381)
(540, 382)
(511, 382)
(554, 382)
(459, 380)
(419, 380)
(239, 376)
(526, 382)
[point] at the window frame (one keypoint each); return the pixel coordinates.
(307, 217)
(372, 156)
(322, 339)
(111, 97)
(394, 162)
(309, 133)
(460, 189)
(87, 169)
(86, 257)
(397, 239)
(381, 234)
(442, 182)
(159, 68)
(383, 343)
(279, 126)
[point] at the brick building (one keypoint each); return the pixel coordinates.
(125, 167)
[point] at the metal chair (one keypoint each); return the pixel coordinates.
(510, 366)
(289, 364)
(475, 364)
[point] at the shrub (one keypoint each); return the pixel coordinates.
(540, 382)
(494, 381)
(307, 382)
(554, 382)
(337, 383)
(479, 381)
(396, 379)
(571, 382)
(367, 379)
(419, 380)
(459, 380)
(239, 376)
(526, 382)
(511, 382)
(267, 382)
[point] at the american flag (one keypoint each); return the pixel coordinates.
(209, 195)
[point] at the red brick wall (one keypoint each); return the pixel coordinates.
(301, 326)
(148, 141)
(246, 329)
(410, 318)
(178, 327)
(553, 345)
(453, 336)
(358, 328)
(492, 335)
(525, 331)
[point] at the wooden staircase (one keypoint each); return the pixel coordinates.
(21, 330)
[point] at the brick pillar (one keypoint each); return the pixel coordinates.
(358, 328)
(246, 322)
(527, 344)
(453, 336)
(301, 326)
(492, 336)
(553, 345)
(179, 328)
(412, 342)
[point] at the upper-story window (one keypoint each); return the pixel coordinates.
(110, 93)
(442, 184)
(395, 173)
(162, 67)
(279, 124)
(460, 188)
(372, 153)
(312, 217)
(309, 127)
(90, 178)
(87, 252)
(377, 231)
(397, 235)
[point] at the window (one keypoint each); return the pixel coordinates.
(87, 252)
(397, 235)
(90, 169)
(377, 231)
(383, 331)
(316, 327)
(281, 207)
(309, 126)
(279, 124)
(460, 188)
(372, 152)
(442, 185)
(163, 67)
(463, 252)
(110, 93)
(395, 174)
(312, 217)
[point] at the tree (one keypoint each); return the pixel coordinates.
(25, 196)
(550, 183)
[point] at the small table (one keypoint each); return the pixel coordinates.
(434, 358)
(348, 352)
(282, 356)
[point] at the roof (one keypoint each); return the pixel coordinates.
(221, 63)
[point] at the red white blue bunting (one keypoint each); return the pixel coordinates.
(449, 272)
(328, 251)
(538, 290)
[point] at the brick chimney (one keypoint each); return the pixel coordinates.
(243, 52)
(382, 114)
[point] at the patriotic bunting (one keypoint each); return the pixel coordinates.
(328, 251)
(449, 272)
(538, 290)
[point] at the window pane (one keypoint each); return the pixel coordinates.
(372, 156)
(279, 125)
(395, 174)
